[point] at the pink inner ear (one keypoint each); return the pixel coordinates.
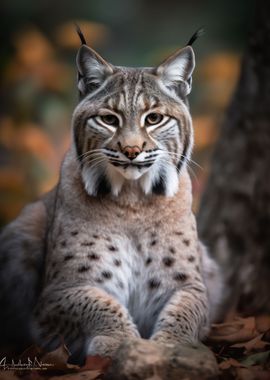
(90, 63)
(176, 71)
(179, 66)
(92, 69)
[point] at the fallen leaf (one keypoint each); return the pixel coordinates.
(229, 363)
(240, 330)
(254, 344)
(223, 329)
(57, 357)
(262, 323)
(240, 336)
(97, 363)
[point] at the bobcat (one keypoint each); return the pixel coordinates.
(112, 251)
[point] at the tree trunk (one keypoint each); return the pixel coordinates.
(234, 218)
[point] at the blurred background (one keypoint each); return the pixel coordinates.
(38, 75)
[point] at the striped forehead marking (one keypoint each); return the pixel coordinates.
(133, 96)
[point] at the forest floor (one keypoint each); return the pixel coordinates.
(241, 347)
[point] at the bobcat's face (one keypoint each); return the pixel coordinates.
(133, 124)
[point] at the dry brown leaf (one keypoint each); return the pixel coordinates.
(96, 363)
(254, 344)
(58, 358)
(223, 329)
(239, 330)
(239, 336)
(262, 323)
(229, 363)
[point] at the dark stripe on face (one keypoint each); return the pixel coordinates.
(103, 187)
(159, 187)
(135, 100)
(141, 165)
(76, 132)
(183, 157)
(78, 148)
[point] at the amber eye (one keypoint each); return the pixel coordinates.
(153, 118)
(110, 120)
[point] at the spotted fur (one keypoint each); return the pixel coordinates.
(117, 234)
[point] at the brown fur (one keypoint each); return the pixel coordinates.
(104, 266)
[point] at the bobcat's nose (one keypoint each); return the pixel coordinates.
(131, 152)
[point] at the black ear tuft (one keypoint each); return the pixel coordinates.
(80, 34)
(199, 33)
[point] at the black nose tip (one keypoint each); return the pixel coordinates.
(131, 152)
(131, 156)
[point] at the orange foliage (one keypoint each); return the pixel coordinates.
(205, 130)
(35, 60)
(218, 74)
(95, 34)
(32, 47)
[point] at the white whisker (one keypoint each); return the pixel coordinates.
(94, 155)
(90, 162)
(101, 150)
(179, 170)
(182, 155)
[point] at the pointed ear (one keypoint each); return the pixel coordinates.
(176, 71)
(93, 70)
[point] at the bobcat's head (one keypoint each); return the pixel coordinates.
(133, 124)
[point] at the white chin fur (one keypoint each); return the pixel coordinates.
(172, 180)
(149, 178)
(146, 177)
(90, 178)
(131, 173)
(116, 179)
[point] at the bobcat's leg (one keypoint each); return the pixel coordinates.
(21, 259)
(185, 317)
(87, 318)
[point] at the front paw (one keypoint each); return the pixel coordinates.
(165, 337)
(104, 345)
(148, 359)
